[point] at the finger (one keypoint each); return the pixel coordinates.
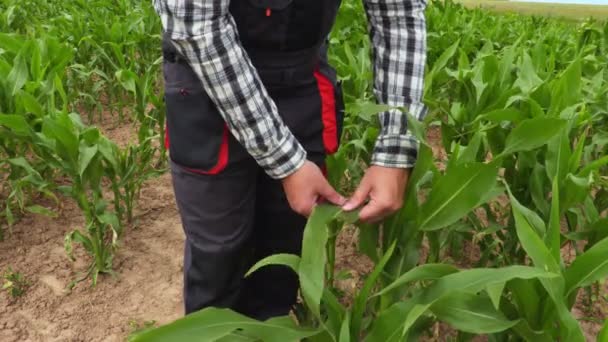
(358, 197)
(373, 212)
(330, 194)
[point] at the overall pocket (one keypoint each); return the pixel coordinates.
(197, 134)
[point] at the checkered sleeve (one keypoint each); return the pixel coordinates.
(398, 33)
(205, 34)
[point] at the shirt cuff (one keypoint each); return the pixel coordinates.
(285, 159)
(396, 151)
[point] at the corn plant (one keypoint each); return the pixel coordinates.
(41, 142)
(14, 283)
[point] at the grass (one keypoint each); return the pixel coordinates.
(567, 11)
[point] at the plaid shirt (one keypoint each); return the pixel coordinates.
(205, 34)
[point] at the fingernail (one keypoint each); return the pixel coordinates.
(348, 206)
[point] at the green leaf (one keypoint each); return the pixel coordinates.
(77, 236)
(478, 83)
(541, 257)
(314, 256)
(469, 153)
(18, 76)
(289, 260)
(60, 129)
(537, 191)
(558, 156)
(11, 42)
(472, 281)
(457, 193)
(603, 335)
(527, 298)
(16, 123)
(30, 103)
(368, 240)
(422, 272)
(495, 293)
(212, 324)
(40, 210)
(368, 109)
(386, 326)
(23, 163)
(345, 329)
(588, 267)
(128, 79)
(471, 313)
(359, 306)
(532, 133)
(566, 91)
(530, 240)
(439, 66)
(500, 115)
(552, 238)
(575, 191)
(417, 128)
(527, 78)
(576, 158)
(87, 153)
(594, 166)
(531, 218)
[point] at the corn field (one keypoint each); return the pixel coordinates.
(517, 170)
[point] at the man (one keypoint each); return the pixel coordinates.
(253, 108)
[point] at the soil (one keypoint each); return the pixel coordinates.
(147, 286)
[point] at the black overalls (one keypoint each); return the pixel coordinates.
(233, 214)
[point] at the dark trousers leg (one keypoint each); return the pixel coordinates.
(272, 291)
(217, 216)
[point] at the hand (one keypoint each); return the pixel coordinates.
(306, 187)
(385, 188)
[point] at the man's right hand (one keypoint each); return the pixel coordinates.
(306, 187)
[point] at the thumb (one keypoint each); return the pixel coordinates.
(358, 197)
(327, 191)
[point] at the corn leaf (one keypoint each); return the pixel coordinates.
(314, 256)
(289, 260)
(471, 313)
(588, 267)
(456, 194)
(360, 301)
(532, 133)
(603, 335)
(543, 258)
(212, 324)
(422, 272)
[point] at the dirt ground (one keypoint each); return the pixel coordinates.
(147, 286)
(148, 282)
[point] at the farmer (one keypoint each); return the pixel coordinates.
(253, 108)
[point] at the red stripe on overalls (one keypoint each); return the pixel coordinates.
(167, 141)
(328, 113)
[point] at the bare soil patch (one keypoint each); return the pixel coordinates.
(147, 286)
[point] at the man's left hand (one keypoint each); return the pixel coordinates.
(384, 187)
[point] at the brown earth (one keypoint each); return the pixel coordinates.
(147, 286)
(148, 283)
